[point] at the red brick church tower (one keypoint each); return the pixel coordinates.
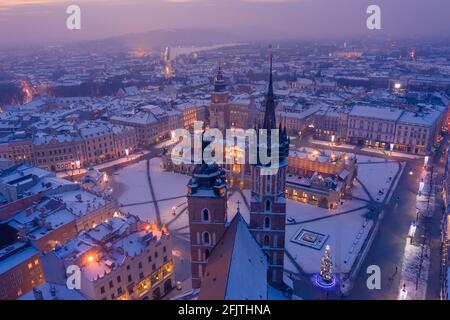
(219, 114)
(268, 205)
(207, 208)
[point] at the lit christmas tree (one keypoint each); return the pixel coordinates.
(326, 268)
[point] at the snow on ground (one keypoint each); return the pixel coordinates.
(415, 271)
(358, 191)
(346, 236)
(302, 211)
(168, 185)
(377, 177)
(392, 153)
(133, 181)
(134, 185)
(363, 158)
(275, 294)
(330, 144)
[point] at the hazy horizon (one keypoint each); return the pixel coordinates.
(30, 22)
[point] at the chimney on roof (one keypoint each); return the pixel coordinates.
(38, 294)
(53, 291)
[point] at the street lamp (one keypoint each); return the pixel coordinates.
(412, 231)
(73, 167)
(403, 292)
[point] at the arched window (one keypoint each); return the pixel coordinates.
(266, 222)
(266, 240)
(205, 215)
(206, 238)
(268, 205)
(206, 254)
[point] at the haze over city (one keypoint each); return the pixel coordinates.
(250, 150)
(28, 22)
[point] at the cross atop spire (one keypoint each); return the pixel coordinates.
(270, 93)
(269, 115)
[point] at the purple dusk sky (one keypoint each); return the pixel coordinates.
(42, 21)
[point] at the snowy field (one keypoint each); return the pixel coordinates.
(415, 270)
(169, 185)
(378, 177)
(346, 234)
(133, 182)
(359, 192)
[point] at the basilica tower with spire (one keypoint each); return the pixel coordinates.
(268, 203)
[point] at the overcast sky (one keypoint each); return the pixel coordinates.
(42, 21)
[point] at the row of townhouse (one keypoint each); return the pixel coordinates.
(395, 129)
(122, 259)
(390, 129)
(152, 123)
(40, 221)
(92, 143)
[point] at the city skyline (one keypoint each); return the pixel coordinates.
(30, 22)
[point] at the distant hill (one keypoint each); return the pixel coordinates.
(157, 39)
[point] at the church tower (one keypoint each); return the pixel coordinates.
(218, 111)
(207, 209)
(268, 205)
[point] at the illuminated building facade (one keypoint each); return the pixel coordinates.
(122, 259)
(207, 207)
